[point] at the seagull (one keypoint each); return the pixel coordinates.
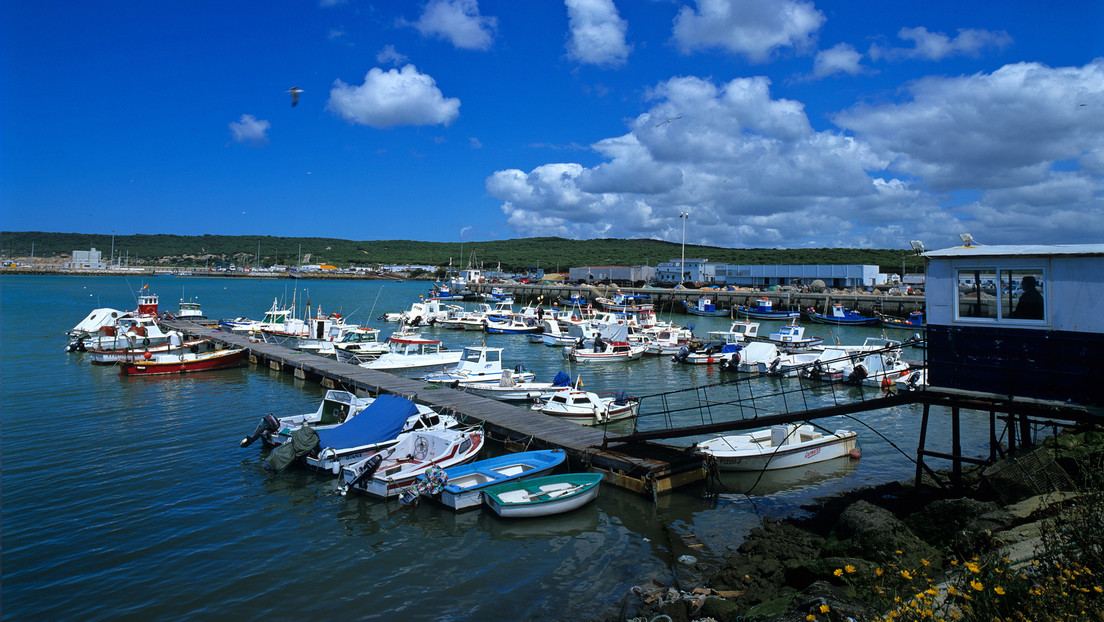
(669, 120)
(295, 91)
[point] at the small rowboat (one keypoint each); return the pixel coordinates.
(182, 363)
(464, 484)
(542, 496)
(781, 447)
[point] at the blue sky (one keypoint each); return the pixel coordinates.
(779, 123)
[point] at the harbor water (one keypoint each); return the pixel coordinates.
(130, 498)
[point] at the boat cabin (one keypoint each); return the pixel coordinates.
(1017, 320)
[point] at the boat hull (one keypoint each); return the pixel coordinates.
(542, 496)
(218, 360)
(744, 455)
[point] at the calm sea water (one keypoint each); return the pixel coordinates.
(129, 498)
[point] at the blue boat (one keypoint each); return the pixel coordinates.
(840, 315)
(704, 306)
(915, 321)
(764, 310)
(462, 486)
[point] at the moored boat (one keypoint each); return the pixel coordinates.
(588, 408)
(780, 447)
(182, 363)
(413, 352)
(461, 487)
(477, 364)
(841, 315)
(508, 389)
(386, 473)
(914, 321)
(704, 306)
(110, 357)
(791, 338)
(542, 496)
(763, 309)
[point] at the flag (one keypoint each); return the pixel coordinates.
(146, 286)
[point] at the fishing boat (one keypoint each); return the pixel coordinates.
(128, 331)
(497, 294)
(477, 364)
(739, 331)
(508, 389)
(791, 338)
(89, 326)
(664, 341)
(587, 408)
(110, 357)
(461, 487)
(386, 473)
(780, 447)
(704, 306)
(512, 325)
(841, 315)
(412, 352)
(182, 362)
(190, 310)
(604, 351)
(575, 299)
(914, 321)
(763, 309)
(626, 303)
(715, 351)
(542, 496)
(360, 343)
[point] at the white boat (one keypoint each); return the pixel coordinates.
(781, 447)
(306, 333)
(413, 352)
(510, 390)
(190, 310)
(110, 357)
(385, 474)
(660, 342)
(273, 319)
(127, 332)
(739, 331)
(423, 313)
(716, 352)
(751, 355)
(789, 365)
(461, 487)
(588, 408)
(91, 325)
(791, 338)
(604, 352)
(360, 343)
(336, 407)
(542, 496)
(512, 325)
(477, 364)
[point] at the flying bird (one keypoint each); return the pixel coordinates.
(295, 91)
(669, 120)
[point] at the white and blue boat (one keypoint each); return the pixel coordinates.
(840, 315)
(704, 306)
(477, 364)
(463, 485)
(764, 310)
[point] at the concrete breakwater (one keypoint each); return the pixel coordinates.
(668, 300)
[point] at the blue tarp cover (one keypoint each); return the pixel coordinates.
(561, 380)
(381, 421)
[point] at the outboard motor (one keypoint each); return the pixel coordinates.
(857, 375)
(268, 424)
(370, 467)
(733, 363)
(681, 355)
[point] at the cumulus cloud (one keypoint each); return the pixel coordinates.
(391, 98)
(841, 58)
(459, 22)
(751, 28)
(597, 33)
(1025, 143)
(250, 129)
(390, 56)
(937, 46)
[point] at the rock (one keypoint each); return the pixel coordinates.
(811, 600)
(759, 565)
(868, 531)
(957, 523)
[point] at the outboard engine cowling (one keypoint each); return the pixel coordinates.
(370, 467)
(268, 424)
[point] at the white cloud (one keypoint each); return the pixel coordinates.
(459, 22)
(749, 27)
(249, 129)
(1013, 154)
(388, 99)
(937, 46)
(390, 56)
(840, 58)
(597, 33)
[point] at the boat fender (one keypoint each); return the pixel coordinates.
(268, 424)
(146, 355)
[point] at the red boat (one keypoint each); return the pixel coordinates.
(182, 363)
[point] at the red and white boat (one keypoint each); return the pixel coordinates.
(182, 362)
(110, 357)
(387, 473)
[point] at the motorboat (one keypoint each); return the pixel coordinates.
(182, 362)
(714, 352)
(791, 338)
(190, 310)
(763, 309)
(512, 325)
(306, 333)
(413, 352)
(626, 303)
(604, 352)
(750, 356)
(704, 306)
(840, 315)
(664, 341)
(915, 321)
(588, 408)
(542, 496)
(360, 343)
(110, 357)
(386, 473)
(477, 364)
(780, 447)
(336, 407)
(508, 389)
(461, 487)
(425, 312)
(128, 331)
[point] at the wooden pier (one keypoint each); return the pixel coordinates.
(645, 467)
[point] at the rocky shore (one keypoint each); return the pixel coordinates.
(901, 549)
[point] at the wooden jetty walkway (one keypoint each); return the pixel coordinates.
(645, 467)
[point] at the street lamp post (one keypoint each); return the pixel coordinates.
(682, 264)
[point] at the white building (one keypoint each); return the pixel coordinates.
(87, 260)
(695, 270)
(622, 275)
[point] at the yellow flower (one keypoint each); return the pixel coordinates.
(999, 590)
(838, 572)
(878, 572)
(899, 552)
(906, 575)
(849, 568)
(810, 617)
(977, 585)
(824, 608)
(952, 590)
(925, 562)
(973, 567)
(1098, 589)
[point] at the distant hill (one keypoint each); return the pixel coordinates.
(550, 254)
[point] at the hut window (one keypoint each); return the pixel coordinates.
(977, 293)
(1023, 294)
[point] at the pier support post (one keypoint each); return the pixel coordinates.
(920, 444)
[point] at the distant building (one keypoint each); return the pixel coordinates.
(86, 260)
(622, 275)
(695, 270)
(1017, 321)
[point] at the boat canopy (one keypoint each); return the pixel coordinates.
(383, 420)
